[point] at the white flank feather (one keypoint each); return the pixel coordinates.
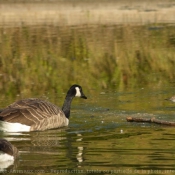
(5, 161)
(13, 127)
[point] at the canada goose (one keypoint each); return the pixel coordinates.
(8, 153)
(171, 99)
(37, 115)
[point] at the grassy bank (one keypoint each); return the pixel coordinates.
(35, 60)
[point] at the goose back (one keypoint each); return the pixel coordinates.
(7, 148)
(34, 112)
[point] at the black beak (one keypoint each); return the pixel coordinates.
(83, 96)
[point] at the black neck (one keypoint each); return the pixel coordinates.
(66, 106)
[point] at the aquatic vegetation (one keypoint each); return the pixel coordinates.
(36, 59)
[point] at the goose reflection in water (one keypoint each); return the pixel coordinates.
(46, 142)
(53, 147)
(80, 150)
(50, 149)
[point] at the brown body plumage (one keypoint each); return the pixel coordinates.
(8, 148)
(39, 114)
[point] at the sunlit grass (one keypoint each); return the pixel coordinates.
(35, 60)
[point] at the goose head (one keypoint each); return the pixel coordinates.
(76, 91)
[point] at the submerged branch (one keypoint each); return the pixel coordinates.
(151, 120)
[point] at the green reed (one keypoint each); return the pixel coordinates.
(35, 60)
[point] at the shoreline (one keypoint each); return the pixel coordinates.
(73, 13)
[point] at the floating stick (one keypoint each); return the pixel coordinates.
(150, 120)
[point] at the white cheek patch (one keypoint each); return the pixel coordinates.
(78, 93)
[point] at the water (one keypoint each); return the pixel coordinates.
(122, 53)
(100, 140)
